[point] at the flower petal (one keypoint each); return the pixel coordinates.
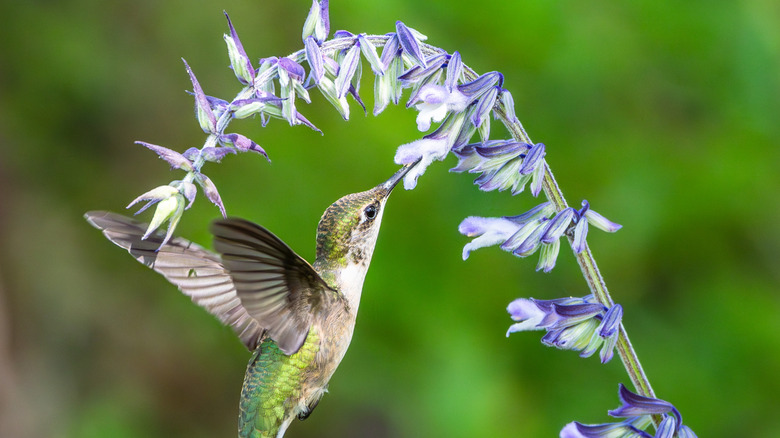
(601, 222)
(314, 58)
(409, 44)
(206, 118)
(454, 71)
(636, 405)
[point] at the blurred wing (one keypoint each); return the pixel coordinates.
(197, 272)
(276, 286)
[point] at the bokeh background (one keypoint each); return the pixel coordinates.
(664, 115)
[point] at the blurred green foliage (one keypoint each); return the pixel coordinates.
(664, 115)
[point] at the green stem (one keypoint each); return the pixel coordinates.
(588, 265)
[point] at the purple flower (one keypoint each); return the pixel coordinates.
(347, 70)
(317, 23)
(410, 40)
(609, 430)
(435, 102)
(240, 143)
(315, 59)
(387, 87)
(175, 159)
(521, 235)
(584, 216)
(239, 60)
(170, 207)
(484, 107)
(454, 71)
(434, 146)
(210, 190)
(416, 74)
(422, 151)
(481, 85)
(504, 164)
(637, 410)
(291, 75)
(489, 231)
(206, 118)
(369, 52)
(579, 324)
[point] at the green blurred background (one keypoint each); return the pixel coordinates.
(664, 115)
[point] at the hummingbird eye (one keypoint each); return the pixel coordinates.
(371, 212)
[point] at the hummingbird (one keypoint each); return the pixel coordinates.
(296, 318)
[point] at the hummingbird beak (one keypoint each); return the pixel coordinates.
(398, 176)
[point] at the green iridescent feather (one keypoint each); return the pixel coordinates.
(272, 386)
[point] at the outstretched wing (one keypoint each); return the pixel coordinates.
(276, 286)
(197, 272)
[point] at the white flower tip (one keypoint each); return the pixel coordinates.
(407, 154)
(410, 181)
(423, 122)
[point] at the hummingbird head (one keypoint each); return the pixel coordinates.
(347, 232)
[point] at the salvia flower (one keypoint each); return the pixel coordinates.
(317, 23)
(387, 87)
(291, 76)
(534, 230)
(514, 229)
(347, 69)
(315, 59)
(434, 146)
(170, 207)
(241, 143)
(637, 411)
(435, 102)
(481, 85)
(410, 41)
(579, 324)
(370, 53)
(504, 164)
(239, 61)
(175, 159)
(417, 77)
(584, 216)
(454, 71)
(541, 227)
(489, 231)
(481, 116)
(206, 117)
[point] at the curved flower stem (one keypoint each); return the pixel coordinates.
(590, 269)
(553, 193)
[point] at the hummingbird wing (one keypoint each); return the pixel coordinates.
(278, 288)
(197, 272)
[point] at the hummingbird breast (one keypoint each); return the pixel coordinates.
(278, 388)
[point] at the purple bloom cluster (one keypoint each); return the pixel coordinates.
(637, 411)
(440, 91)
(579, 324)
(537, 229)
(503, 164)
(462, 108)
